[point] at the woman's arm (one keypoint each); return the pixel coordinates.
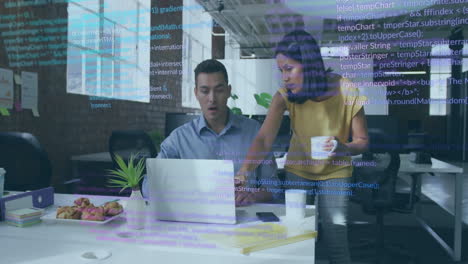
(360, 143)
(266, 136)
(359, 135)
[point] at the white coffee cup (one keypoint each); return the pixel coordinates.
(295, 201)
(316, 146)
(2, 181)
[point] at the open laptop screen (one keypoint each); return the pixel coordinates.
(192, 190)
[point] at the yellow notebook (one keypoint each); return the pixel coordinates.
(259, 237)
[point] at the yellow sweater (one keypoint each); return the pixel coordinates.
(331, 117)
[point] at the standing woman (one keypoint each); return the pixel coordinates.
(319, 104)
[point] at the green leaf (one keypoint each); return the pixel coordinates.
(119, 173)
(263, 99)
(236, 110)
(130, 163)
(120, 162)
(262, 102)
(117, 181)
(266, 96)
(127, 175)
(258, 99)
(234, 96)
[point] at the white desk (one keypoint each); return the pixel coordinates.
(65, 243)
(437, 166)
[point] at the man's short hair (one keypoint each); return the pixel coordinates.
(210, 66)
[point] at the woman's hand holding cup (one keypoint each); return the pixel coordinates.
(335, 147)
(323, 147)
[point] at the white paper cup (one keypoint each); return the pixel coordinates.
(295, 201)
(316, 147)
(2, 181)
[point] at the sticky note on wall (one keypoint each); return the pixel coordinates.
(17, 79)
(4, 112)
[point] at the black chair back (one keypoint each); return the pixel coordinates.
(128, 142)
(25, 161)
(376, 174)
(175, 120)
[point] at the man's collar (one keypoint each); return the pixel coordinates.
(233, 121)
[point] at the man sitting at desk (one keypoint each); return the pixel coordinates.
(219, 134)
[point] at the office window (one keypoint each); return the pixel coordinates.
(441, 70)
(108, 50)
(196, 47)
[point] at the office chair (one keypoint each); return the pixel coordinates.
(25, 161)
(127, 142)
(383, 199)
(175, 120)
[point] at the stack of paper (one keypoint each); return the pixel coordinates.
(259, 237)
(23, 217)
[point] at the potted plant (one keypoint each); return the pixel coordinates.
(157, 137)
(129, 176)
(262, 99)
(235, 110)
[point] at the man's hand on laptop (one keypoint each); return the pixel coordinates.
(240, 180)
(249, 195)
(244, 198)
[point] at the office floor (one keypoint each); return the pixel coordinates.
(403, 231)
(440, 189)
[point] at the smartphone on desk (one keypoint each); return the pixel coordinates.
(267, 217)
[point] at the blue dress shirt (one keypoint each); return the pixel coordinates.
(195, 140)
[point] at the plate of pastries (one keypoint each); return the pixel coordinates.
(83, 210)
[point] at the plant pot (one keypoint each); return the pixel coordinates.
(135, 210)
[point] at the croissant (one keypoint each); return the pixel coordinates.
(93, 213)
(83, 202)
(113, 208)
(68, 212)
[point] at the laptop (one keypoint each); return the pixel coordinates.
(192, 190)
